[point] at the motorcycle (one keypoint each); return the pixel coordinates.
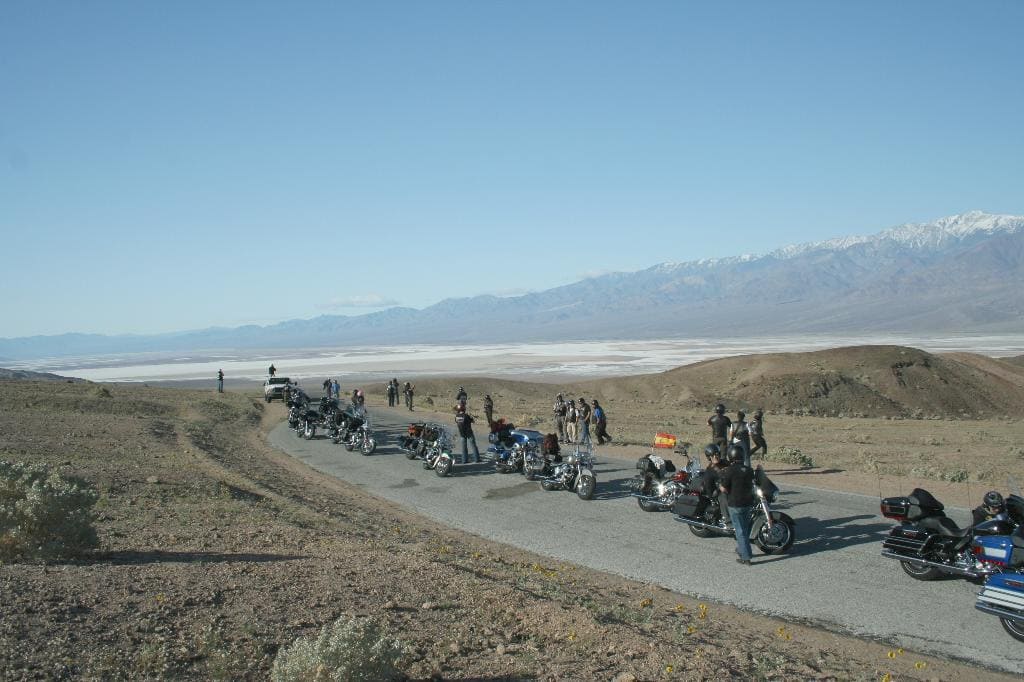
(654, 489)
(357, 434)
(540, 462)
(437, 455)
(929, 544)
(297, 402)
(772, 531)
(419, 437)
(1003, 597)
(575, 473)
(510, 447)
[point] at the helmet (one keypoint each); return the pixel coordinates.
(719, 408)
(994, 501)
(758, 414)
(712, 451)
(735, 453)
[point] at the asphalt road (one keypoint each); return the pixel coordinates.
(834, 576)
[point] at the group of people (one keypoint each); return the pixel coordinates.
(393, 390)
(573, 420)
(332, 389)
(725, 432)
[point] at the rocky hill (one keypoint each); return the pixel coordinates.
(22, 375)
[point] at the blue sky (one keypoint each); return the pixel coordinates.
(163, 166)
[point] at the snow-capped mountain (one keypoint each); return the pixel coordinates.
(958, 274)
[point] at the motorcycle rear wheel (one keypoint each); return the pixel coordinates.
(548, 485)
(410, 454)
(585, 487)
(700, 532)
(443, 468)
(779, 538)
(919, 571)
(349, 445)
(1013, 628)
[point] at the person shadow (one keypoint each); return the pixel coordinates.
(816, 535)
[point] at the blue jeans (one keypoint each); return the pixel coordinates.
(220, 385)
(740, 517)
(465, 455)
(584, 433)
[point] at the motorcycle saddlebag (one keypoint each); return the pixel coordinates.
(896, 507)
(686, 505)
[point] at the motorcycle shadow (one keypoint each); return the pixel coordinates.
(614, 489)
(825, 535)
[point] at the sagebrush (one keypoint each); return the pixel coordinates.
(347, 649)
(44, 514)
(790, 455)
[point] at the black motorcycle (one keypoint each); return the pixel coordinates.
(929, 544)
(659, 484)
(772, 531)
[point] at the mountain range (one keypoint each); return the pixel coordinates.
(955, 275)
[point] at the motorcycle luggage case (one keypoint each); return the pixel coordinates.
(686, 505)
(896, 507)
(1003, 595)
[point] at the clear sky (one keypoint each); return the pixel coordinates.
(170, 165)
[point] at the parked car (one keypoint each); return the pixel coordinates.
(273, 388)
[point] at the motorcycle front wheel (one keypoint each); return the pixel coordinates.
(585, 488)
(309, 431)
(1013, 628)
(369, 445)
(777, 539)
(919, 571)
(444, 467)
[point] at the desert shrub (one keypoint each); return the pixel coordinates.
(347, 649)
(790, 455)
(44, 514)
(954, 475)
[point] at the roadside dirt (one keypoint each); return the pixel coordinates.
(217, 550)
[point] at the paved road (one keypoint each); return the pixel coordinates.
(834, 576)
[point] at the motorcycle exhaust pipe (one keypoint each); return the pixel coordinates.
(1015, 616)
(652, 500)
(699, 524)
(934, 564)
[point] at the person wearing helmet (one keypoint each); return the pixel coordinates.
(489, 409)
(992, 505)
(756, 428)
(709, 481)
(719, 424)
(408, 391)
(460, 398)
(464, 421)
(737, 483)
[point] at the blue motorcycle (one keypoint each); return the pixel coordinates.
(511, 447)
(1003, 593)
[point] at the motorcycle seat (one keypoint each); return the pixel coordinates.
(945, 526)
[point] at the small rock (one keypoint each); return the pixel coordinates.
(453, 647)
(391, 604)
(500, 650)
(428, 605)
(152, 479)
(624, 677)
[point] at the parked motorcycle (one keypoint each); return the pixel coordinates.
(296, 408)
(575, 473)
(437, 454)
(357, 434)
(541, 462)
(510, 447)
(929, 544)
(772, 531)
(419, 437)
(659, 484)
(1003, 597)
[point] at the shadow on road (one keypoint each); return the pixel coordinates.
(822, 535)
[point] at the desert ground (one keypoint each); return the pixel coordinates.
(216, 550)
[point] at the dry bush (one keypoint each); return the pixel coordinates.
(347, 649)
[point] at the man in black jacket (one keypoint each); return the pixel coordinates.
(465, 423)
(719, 424)
(737, 482)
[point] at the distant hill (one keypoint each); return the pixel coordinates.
(955, 274)
(20, 375)
(868, 381)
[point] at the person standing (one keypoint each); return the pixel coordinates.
(327, 387)
(756, 428)
(337, 389)
(719, 424)
(739, 434)
(560, 410)
(460, 399)
(583, 422)
(409, 389)
(488, 409)
(601, 420)
(570, 421)
(737, 482)
(272, 370)
(220, 381)
(464, 421)
(390, 391)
